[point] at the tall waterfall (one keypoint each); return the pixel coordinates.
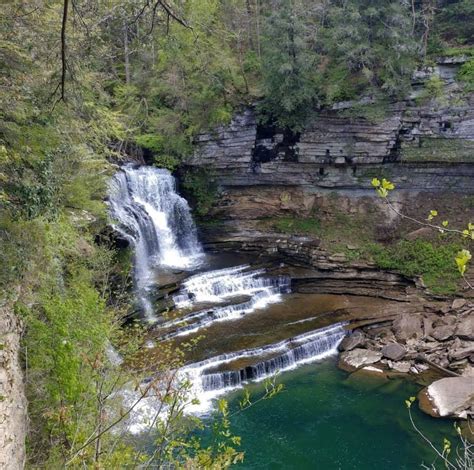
(148, 212)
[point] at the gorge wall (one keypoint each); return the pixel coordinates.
(13, 420)
(423, 144)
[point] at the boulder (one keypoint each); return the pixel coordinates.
(465, 328)
(449, 397)
(458, 304)
(357, 358)
(461, 352)
(354, 340)
(407, 326)
(394, 351)
(443, 333)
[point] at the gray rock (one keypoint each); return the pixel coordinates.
(403, 367)
(407, 326)
(465, 328)
(449, 397)
(354, 340)
(394, 351)
(443, 333)
(458, 304)
(461, 353)
(357, 358)
(427, 326)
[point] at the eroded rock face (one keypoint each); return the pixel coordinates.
(357, 358)
(450, 397)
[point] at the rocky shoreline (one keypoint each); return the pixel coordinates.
(438, 337)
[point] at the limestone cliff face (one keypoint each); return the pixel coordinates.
(425, 147)
(12, 394)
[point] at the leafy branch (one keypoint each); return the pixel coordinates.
(463, 257)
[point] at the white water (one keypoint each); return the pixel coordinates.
(216, 287)
(147, 211)
(285, 355)
(270, 360)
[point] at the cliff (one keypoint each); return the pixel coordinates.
(12, 394)
(423, 144)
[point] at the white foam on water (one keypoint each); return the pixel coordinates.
(207, 385)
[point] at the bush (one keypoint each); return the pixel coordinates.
(433, 262)
(466, 75)
(201, 190)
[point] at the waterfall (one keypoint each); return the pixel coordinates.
(147, 211)
(217, 286)
(213, 376)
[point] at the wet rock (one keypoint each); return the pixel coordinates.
(465, 328)
(354, 340)
(443, 333)
(403, 367)
(394, 351)
(407, 326)
(448, 397)
(458, 304)
(357, 358)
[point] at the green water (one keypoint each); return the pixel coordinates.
(326, 419)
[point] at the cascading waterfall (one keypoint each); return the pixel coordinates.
(147, 211)
(217, 286)
(215, 376)
(208, 383)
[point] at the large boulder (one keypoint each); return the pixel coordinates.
(394, 351)
(407, 326)
(354, 340)
(465, 328)
(357, 358)
(450, 397)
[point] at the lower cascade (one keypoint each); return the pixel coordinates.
(207, 375)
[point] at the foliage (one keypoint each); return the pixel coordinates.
(308, 225)
(200, 185)
(433, 89)
(288, 65)
(433, 262)
(466, 75)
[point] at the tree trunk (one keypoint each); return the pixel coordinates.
(126, 54)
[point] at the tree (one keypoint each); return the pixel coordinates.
(289, 64)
